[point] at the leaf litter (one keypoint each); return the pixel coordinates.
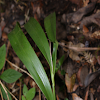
(78, 21)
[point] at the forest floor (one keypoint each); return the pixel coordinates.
(78, 34)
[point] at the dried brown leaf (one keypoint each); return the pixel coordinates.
(32, 83)
(74, 54)
(85, 2)
(75, 87)
(70, 37)
(90, 58)
(96, 35)
(90, 19)
(85, 29)
(69, 66)
(90, 77)
(87, 93)
(76, 97)
(70, 81)
(78, 76)
(4, 36)
(77, 16)
(82, 74)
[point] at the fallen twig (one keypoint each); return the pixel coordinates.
(1, 94)
(11, 94)
(4, 89)
(80, 49)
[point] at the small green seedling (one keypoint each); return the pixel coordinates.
(28, 56)
(28, 94)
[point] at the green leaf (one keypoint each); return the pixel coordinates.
(23, 98)
(60, 62)
(27, 55)
(63, 72)
(2, 56)
(54, 55)
(66, 99)
(4, 94)
(30, 94)
(50, 26)
(25, 90)
(10, 76)
(37, 34)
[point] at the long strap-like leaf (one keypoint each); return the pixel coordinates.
(37, 34)
(27, 55)
(50, 26)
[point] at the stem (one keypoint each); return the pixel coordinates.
(52, 75)
(53, 86)
(51, 60)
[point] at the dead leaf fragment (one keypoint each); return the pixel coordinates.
(32, 83)
(76, 97)
(37, 10)
(91, 19)
(85, 29)
(82, 74)
(90, 58)
(75, 87)
(74, 54)
(4, 36)
(87, 94)
(70, 37)
(78, 76)
(90, 77)
(77, 16)
(70, 81)
(69, 66)
(85, 2)
(96, 35)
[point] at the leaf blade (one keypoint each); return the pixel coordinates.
(30, 94)
(23, 98)
(25, 90)
(50, 26)
(61, 60)
(54, 55)
(37, 34)
(10, 76)
(27, 55)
